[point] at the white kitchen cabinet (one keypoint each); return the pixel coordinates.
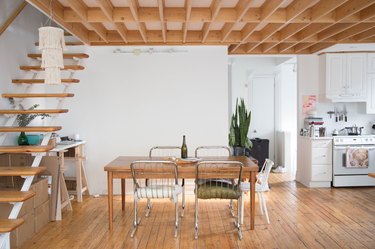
(343, 76)
(370, 104)
(371, 63)
(314, 157)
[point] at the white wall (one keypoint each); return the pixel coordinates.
(125, 104)
(15, 43)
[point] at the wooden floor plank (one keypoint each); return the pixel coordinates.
(300, 218)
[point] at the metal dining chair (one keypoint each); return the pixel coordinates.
(162, 183)
(213, 151)
(215, 187)
(167, 151)
(261, 186)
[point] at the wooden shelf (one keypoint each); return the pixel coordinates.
(67, 44)
(21, 171)
(30, 128)
(66, 56)
(25, 149)
(41, 81)
(40, 111)
(7, 225)
(38, 95)
(38, 68)
(15, 196)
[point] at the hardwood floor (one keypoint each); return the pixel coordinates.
(300, 218)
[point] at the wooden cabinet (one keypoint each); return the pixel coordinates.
(344, 76)
(314, 162)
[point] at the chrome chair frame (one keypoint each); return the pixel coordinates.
(143, 192)
(227, 176)
(216, 147)
(182, 184)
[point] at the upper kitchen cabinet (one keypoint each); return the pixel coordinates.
(343, 76)
(371, 63)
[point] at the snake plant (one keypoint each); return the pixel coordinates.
(239, 127)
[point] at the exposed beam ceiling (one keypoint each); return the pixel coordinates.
(245, 26)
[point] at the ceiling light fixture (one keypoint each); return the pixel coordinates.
(150, 51)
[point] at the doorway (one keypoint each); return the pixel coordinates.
(261, 102)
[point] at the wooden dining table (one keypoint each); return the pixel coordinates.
(120, 169)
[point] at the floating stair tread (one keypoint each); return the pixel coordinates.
(38, 95)
(30, 128)
(66, 56)
(8, 225)
(26, 149)
(46, 111)
(67, 44)
(41, 81)
(15, 196)
(21, 171)
(38, 68)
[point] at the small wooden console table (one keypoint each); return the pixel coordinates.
(60, 194)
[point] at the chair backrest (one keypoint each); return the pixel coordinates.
(202, 151)
(165, 151)
(157, 172)
(215, 171)
(265, 173)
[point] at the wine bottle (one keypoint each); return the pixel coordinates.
(184, 151)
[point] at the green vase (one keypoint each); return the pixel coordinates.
(22, 139)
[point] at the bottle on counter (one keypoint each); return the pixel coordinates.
(312, 130)
(184, 150)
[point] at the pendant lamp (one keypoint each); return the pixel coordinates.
(52, 44)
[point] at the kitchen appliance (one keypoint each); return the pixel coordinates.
(354, 130)
(348, 176)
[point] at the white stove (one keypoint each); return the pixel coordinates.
(345, 176)
(354, 140)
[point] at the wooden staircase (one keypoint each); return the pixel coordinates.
(41, 81)
(17, 197)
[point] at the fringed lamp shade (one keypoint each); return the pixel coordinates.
(52, 44)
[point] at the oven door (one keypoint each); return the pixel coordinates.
(339, 161)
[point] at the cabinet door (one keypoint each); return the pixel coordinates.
(370, 104)
(356, 74)
(371, 63)
(335, 76)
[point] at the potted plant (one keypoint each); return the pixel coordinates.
(25, 119)
(239, 129)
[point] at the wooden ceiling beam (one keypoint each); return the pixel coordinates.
(188, 7)
(133, 5)
(80, 8)
(317, 12)
(76, 29)
(365, 35)
(241, 8)
(162, 23)
(107, 9)
(355, 30)
(267, 9)
(349, 9)
(225, 15)
(292, 11)
(215, 8)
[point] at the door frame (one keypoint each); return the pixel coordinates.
(273, 76)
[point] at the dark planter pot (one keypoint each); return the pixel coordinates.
(238, 151)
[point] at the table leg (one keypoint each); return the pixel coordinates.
(110, 199)
(252, 199)
(78, 162)
(122, 194)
